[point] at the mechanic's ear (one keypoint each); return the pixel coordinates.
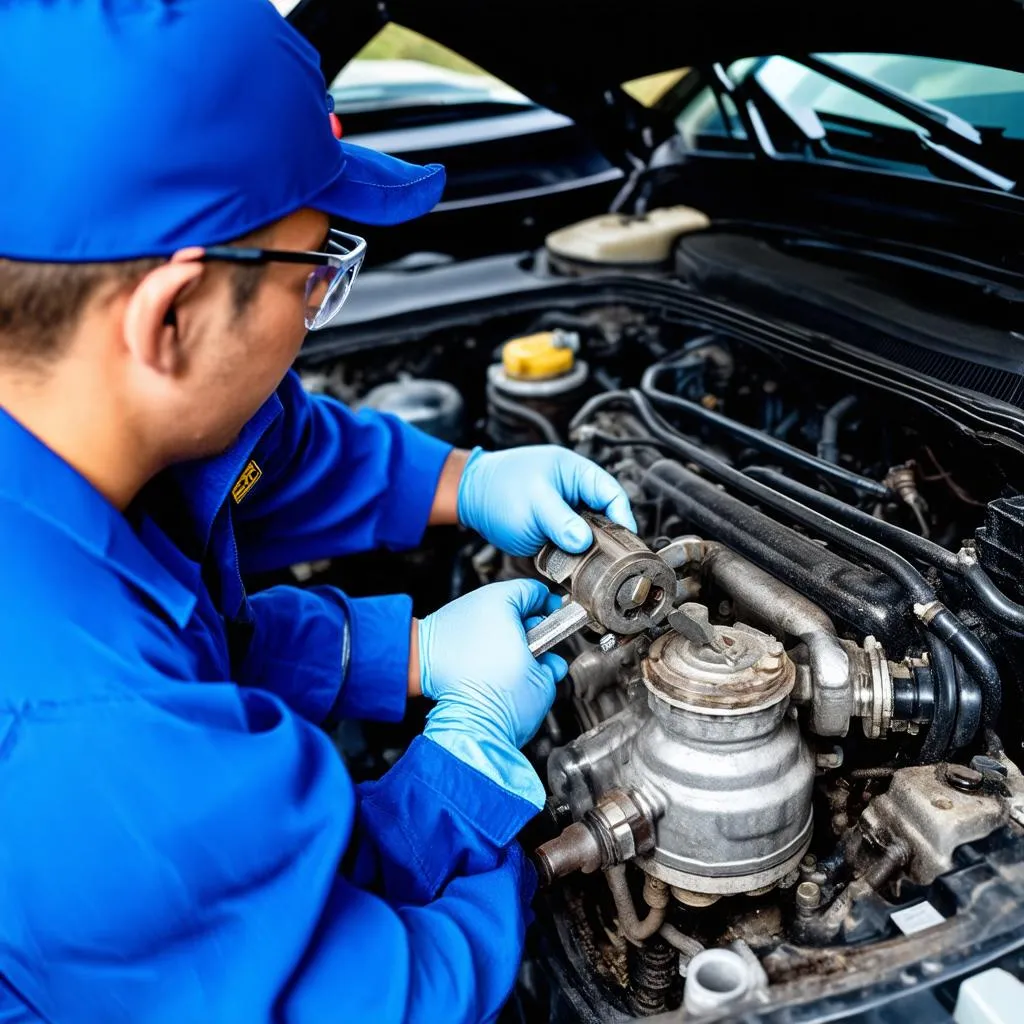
(150, 319)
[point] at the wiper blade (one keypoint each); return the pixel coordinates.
(948, 136)
(803, 120)
(920, 112)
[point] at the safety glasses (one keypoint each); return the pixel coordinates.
(328, 284)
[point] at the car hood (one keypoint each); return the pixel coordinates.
(573, 55)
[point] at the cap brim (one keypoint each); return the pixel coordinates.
(373, 188)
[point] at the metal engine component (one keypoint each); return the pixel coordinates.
(435, 406)
(713, 754)
(624, 587)
(842, 681)
(616, 830)
(932, 813)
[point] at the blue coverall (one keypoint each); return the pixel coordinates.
(180, 841)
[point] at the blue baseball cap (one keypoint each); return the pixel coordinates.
(133, 128)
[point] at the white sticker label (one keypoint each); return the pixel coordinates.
(917, 919)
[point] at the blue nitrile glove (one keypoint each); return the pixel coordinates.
(520, 498)
(491, 693)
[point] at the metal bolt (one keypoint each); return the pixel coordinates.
(633, 592)
(607, 642)
(808, 896)
(967, 780)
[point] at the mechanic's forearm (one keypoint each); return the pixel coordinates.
(445, 509)
(415, 684)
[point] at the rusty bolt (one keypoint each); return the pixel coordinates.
(656, 892)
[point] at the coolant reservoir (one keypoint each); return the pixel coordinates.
(541, 365)
(536, 387)
(616, 239)
(539, 356)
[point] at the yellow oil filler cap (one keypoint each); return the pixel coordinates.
(540, 356)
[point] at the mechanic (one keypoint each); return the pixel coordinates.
(180, 839)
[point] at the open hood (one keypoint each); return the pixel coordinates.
(572, 55)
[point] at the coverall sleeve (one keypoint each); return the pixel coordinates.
(329, 656)
(177, 859)
(335, 483)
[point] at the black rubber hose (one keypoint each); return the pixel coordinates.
(969, 707)
(991, 598)
(1001, 607)
(910, 544)
(761, 441)
(871, 551)
(828, 443)
(540, 423)
(948, 628)
(936, 617)
(940, 731)
(596, 404)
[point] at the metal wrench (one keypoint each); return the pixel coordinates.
(558, 626)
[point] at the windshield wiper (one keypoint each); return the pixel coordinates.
(944, 133)
(804, 121)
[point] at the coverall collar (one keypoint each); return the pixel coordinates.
(206, 483)
(36, 478)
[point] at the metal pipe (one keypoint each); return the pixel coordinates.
(761, 441)
(828, 443)
(687, 947)
(791, 614)
(824, 927)
(633, 929)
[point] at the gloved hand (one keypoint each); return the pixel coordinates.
(491, 693)
(520, 498)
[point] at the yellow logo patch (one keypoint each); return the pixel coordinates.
(246, 481)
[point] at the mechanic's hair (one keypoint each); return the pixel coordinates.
(41, 302)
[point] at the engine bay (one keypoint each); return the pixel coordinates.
(803, 771)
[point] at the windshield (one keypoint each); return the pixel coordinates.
(400, 69)
(861, 129)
